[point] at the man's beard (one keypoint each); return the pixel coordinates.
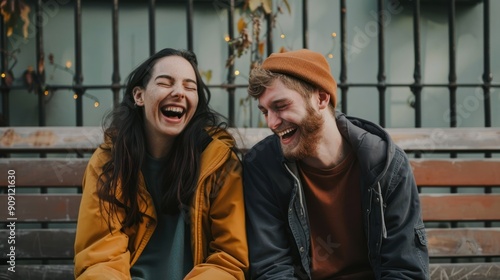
(310, 130)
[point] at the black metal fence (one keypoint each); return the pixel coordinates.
(416, 87)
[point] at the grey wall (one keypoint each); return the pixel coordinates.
(210, 27)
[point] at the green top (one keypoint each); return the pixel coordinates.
(168, 253)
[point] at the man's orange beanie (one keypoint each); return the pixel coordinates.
(305, 65)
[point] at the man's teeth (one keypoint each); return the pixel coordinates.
(285, 132)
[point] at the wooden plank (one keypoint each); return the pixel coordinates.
(47, 172)
(456, 172)
(463, 242)
(438, 271)
(460, 207)
(464, 271)
(42, 208)
(41, 243)
(86, 139)
(469, 139)
(43, 172)
(39, 272)
(450, 242)
(50, 139)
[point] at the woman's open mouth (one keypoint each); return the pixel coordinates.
(173, 112)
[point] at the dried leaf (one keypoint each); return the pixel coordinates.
(51, 58)
(254, 4)
(208, 75)
(25, 10)
(41, 64)
(241, 24)
(268, 6)
(230, 61)
(261, 48)
(287, 6)
(28, 78)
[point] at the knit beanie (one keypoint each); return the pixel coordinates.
(305, 65)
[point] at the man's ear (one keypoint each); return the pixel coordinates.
(138, 93)
(324, 99)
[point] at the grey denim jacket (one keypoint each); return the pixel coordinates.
(277, 223)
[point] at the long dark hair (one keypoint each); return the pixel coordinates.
(127, 136)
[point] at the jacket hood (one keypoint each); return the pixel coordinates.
(372, 144)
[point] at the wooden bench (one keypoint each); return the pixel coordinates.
(463, 225)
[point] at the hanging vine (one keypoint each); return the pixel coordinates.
(253, 14)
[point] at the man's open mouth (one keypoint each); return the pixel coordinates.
(287, 133)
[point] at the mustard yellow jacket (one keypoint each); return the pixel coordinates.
(218, 235)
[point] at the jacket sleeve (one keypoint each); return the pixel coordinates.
(99, 253)
(227, 242)
(269, 248)
(403, 254)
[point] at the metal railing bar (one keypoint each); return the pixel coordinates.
(343, 85)
(417, 72)
(452, 78)
(78, 78)
(305, 31)
(269, 34)
(229, 86)
(4, 66)
(230, 73)
(487, 76)
(189, 19)
(152, 27)
(40, 72)
(381, 64)
(115, 79)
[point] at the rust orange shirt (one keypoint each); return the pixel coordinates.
(333, 197)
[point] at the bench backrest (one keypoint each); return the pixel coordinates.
(47, 191)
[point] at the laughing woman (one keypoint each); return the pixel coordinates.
(162, 196)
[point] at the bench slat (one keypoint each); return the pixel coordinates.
(438, 271)
(449, 242)
(435, 207)
(456, 172)
(464, 271)
(44, 172)
(68, 172)
(50, 139)
(55, 208)
(460, 207)
(465, 139)
(463, 242)
(41, 243)
(39, 272)
(86, 139)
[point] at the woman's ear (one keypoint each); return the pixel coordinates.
(138, 93)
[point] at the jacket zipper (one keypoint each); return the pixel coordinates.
(299, 186)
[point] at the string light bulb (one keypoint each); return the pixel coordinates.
(227, 38)
(96, 104)
(334, 34)
(3, 75)
(282, 36)
(237, 72)
(75, 96)
(330, 55)
(45, 92)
